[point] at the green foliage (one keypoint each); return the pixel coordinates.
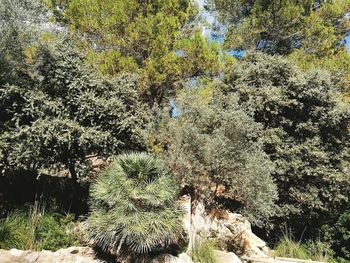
(289, 248)
(319, 251)
(338, 235)
(314, 250)
(310, 32)
(19, 29)
(134, 207)
(316, 26)
(158, 39)
(14, 232)
(36, 230)
(65, 113)
(213, 148)
(203, 251)
(306, 134)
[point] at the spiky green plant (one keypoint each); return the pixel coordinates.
(133, 206)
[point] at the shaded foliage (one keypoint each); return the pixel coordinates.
(338, 235)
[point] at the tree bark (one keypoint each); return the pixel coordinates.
(72, 171)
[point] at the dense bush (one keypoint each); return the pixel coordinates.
(37, 230)
(214, 151)
(65, 113)
(133, 207)
(306, 134)
(338, 235)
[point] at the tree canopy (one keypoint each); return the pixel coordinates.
(306, 134)
(310, 32)
(160, 40)
(67, 112)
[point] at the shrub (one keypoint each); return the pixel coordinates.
(319, 251)
(338, 235)
(15, 231)
(133, 207)
(203, 251)
(36, 230)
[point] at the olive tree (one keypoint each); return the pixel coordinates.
(214, 151)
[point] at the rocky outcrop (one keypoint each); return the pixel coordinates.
(68, 255)
(230, 229)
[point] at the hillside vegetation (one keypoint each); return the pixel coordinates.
(112, 110)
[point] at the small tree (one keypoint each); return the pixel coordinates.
(133, 206)
(214, 151)
(66, 112)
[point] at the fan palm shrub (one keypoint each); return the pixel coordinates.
(133, 207)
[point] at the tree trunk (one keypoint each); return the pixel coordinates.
(72, 171)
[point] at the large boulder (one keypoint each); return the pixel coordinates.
(227, 257)
(68, 255)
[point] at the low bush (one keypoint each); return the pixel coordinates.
(319, 251)
(203, 251)
(36, 230)
(314, 250)
(291, 249)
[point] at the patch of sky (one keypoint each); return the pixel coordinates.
(218, 35)
(174, 110)
(346, 41)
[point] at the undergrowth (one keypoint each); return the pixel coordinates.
(203, 251)
(35, 229)
(314, 250)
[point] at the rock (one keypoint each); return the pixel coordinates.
(69, 255)
(73, 250)
(227, 257)
(230, 229)
(182, 258)
(31, 257)
(185, 258)
(16, 253)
